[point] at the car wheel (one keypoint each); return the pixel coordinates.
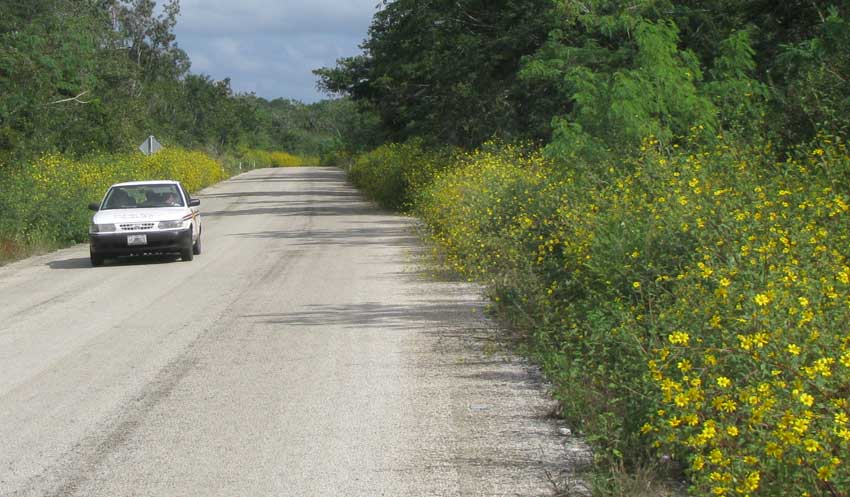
(187, 254)
(96, 259)
(196, 248)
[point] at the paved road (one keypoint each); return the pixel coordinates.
(304, 353)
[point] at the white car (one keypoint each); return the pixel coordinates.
(145, 217)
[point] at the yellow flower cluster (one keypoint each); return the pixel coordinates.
(265, 158)
(699, 297)
(766, 302)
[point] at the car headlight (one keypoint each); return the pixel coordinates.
(101, 228)
(170, 225)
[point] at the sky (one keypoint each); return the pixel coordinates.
(270, 47)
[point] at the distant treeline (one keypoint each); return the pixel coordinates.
(94, 76)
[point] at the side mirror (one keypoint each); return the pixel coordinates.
(194, 202)
(94, 207)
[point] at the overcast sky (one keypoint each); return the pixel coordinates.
(270, 47)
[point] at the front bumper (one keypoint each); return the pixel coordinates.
(113, 244)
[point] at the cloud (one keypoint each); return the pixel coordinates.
(271, 47)
(263, 16)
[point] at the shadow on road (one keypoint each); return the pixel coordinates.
(425, 315)
(307, 209)
(301, 193)
(379, 235)
(75, 263)
(327, 194)
(304, 174)
(134, 260)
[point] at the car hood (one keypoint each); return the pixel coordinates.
(132, 215)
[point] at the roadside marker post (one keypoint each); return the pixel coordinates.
(150, 146)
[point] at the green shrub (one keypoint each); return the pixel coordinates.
(391, 173)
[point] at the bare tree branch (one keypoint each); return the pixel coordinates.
(72, 99)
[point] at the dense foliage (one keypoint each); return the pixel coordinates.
(594, 76)
(392, 174)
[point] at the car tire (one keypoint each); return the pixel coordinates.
(196, 248)
(187, 254)
(96, 259)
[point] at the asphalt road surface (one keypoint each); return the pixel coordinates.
(306, 352)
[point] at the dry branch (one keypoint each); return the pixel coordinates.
(72, 99)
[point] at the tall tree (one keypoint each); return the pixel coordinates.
(149, 37)
(446, 69)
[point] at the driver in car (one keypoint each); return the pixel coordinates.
(170, 199)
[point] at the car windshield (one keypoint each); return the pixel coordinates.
(143, 196)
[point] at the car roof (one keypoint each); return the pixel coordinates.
(152, 182)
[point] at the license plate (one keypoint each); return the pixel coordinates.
(137, 239)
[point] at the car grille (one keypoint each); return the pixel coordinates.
(136, 226)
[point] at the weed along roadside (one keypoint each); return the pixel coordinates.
(690, 315)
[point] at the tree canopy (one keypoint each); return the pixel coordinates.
(448, 70)
(601, 74)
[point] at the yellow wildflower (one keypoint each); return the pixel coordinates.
(679, 338)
